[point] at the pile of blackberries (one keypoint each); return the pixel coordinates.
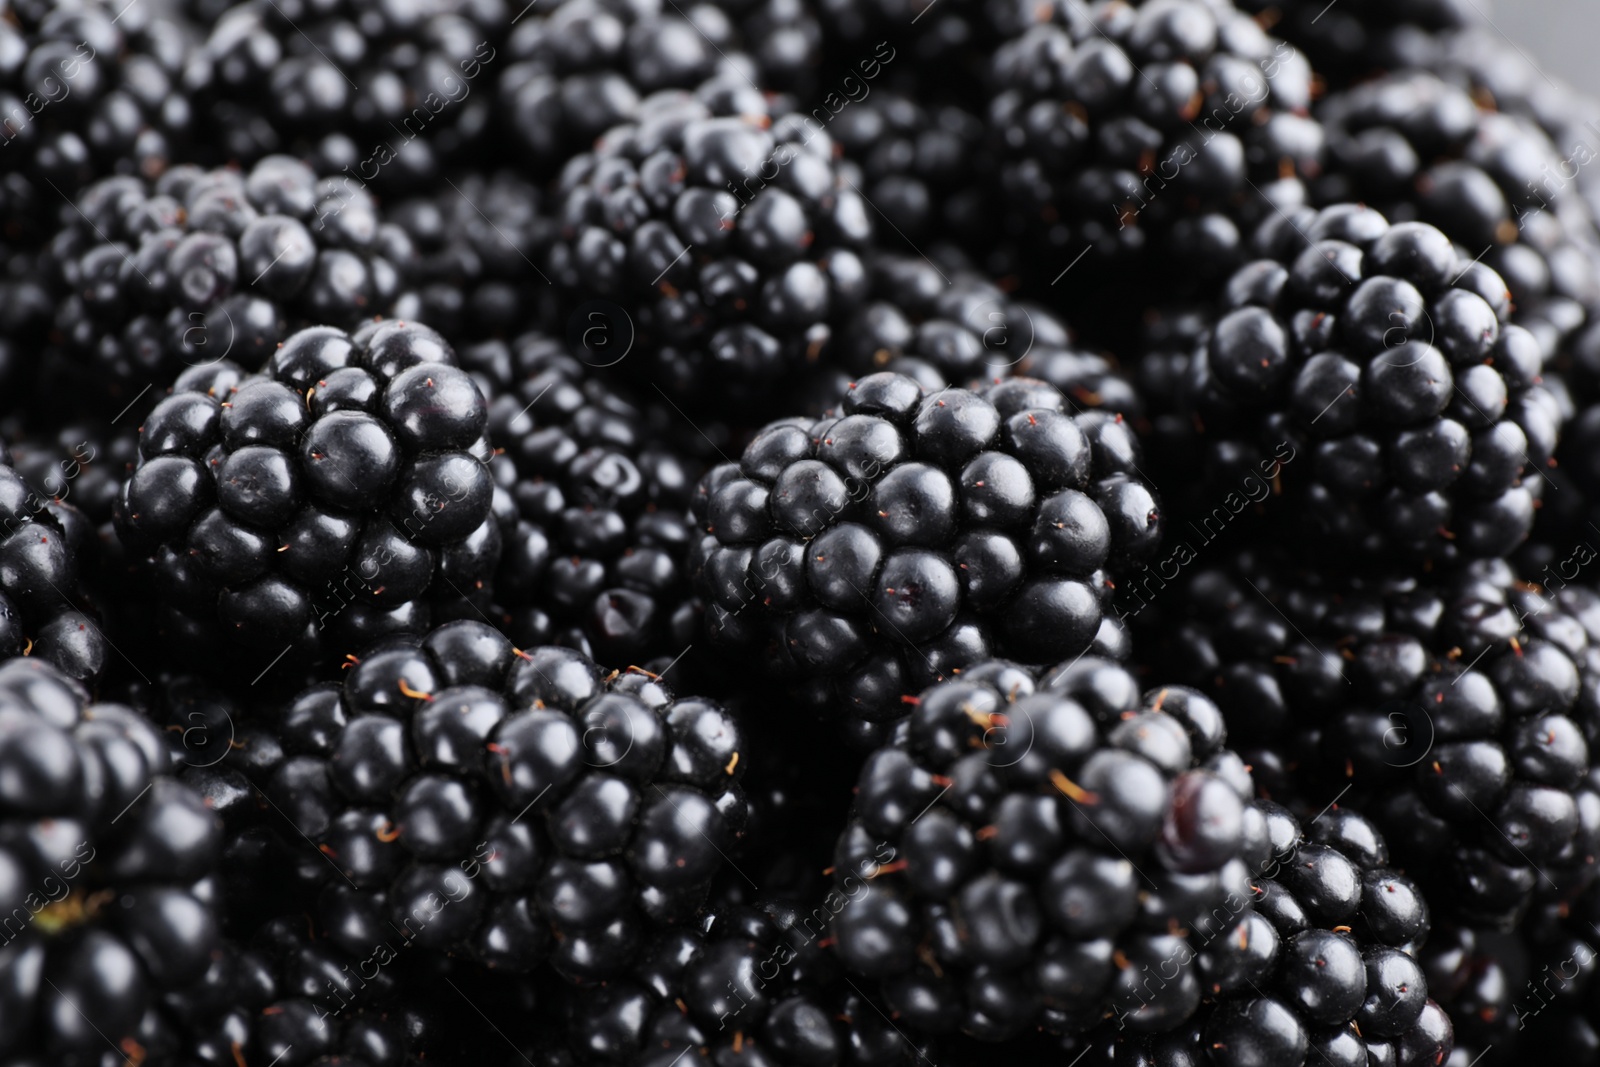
(796, 533)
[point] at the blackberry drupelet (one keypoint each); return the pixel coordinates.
(1375, 371)
(1460, 715)
(592, 492)
(574, 72)
(1028, 851)
(728, 237)
(201, 266)
(381, 94)
(328, 500)
(911, 533)
(1144, 132)
(1322, 967)
(106, 872)
(510, 806)
(477, 248)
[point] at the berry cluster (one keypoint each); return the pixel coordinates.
(1123, 477)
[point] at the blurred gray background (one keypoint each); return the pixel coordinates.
(1559, 35)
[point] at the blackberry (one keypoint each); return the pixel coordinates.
(1373, 368)
(1144, 132)
(1418, 147)
(1029, 849)
(575, 72)
(1323, 968)
(745, 984)
(592, 493)
(919, 166)
(86, 90)
(48, 548)
(107, 873)
(1457, 716)
(477, 246)
(510, 806)
(290, 996)
(323, 502)
(911, 533)
(379, 94)
(953, 325)
(203, 266)
(730, 241)
(1350, 41)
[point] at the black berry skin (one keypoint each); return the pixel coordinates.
(1030, 848)
(1457, 712)
(592, 490)
(910, 533)
(197, 267)
(107, 861)
(328, 500)
(514, 808)
(381, 96)
(1376, 372)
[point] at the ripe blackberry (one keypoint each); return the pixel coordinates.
(511, 806)
(86, 90)
(289, 996)
(952, 325)
(1323, 968)
(1350, 41)
(592, 495)
(323, 502)
(746, 984)
(1457, 715)
(1144, 130)
(49, 551)
(1376, 372)
(1418, 147)
(919, 166)
(1028, 851)
(574, 72)
(379, 94)
(728, 238)
(106, 872)
(476, 249)
(911, 533)
(203, 266)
